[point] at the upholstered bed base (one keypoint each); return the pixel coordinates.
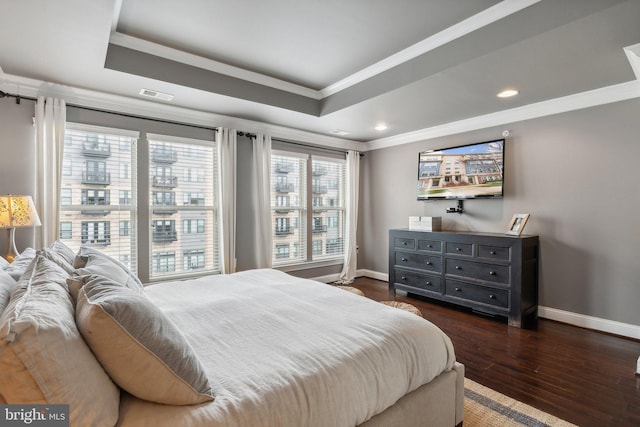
(439, 403)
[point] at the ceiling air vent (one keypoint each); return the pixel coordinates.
(339, 132)
(155, 94)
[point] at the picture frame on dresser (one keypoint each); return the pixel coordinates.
(517, 224)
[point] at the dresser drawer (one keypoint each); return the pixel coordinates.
(417, 280)
(459, 248)
(478, 270)
(430, 245)
(404, 243)
(494, 252)
(477, 293)
(421, 261)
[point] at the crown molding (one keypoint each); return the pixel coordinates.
(592, 98)
(462, 28)
(27, 87)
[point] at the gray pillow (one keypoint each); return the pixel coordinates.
(7, 283)
(19, 265)
(43, 357)
(143, 352)
(91, 262)
(56, 258)
(64, 251)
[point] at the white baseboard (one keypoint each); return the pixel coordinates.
(590, 322)
(328, 278)
(575, 319)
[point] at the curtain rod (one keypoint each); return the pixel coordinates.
(317, 147)
(132, 116)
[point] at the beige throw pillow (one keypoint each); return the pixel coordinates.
(43, 358)
(143, 352)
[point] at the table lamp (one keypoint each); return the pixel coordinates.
(16, 211)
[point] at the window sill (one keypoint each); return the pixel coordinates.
(309, 265)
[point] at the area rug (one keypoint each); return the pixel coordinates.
(484, 407)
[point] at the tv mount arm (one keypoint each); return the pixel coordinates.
(458, 209)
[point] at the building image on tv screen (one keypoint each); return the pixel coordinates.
(464, 172)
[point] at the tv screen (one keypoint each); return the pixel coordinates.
(465, 172)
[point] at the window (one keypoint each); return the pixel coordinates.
(65, 230)
(282, 250)
(65, 196)
(194, 259)
(125, 197)
(103, 211)
(124, 228)
(186, 225)
(164, 262)
(191, 226)
(95, 233)
(94, 154)
(312, 224)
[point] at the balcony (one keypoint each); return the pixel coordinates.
(96, 178)
(283, 211)
(165, 181)
(104, 241)
(96, 149)
(102, 212)
(284, 187)
(284, 167)
(319, 189)
(283, 231)
(320, 171)
(164, 156)
(165, 236)
(317, 229)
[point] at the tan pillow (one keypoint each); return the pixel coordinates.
(90, 262)
(44, 359)
(143, 352)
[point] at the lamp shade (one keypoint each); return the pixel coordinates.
(18, 211)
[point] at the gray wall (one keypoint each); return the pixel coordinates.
(17, 162)
(575, 173)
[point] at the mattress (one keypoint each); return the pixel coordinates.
(285, 351)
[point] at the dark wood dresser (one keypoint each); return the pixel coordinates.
(492, 273)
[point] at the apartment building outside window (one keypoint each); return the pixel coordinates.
(183, 178)
(91, 181)
(312, 189)
(100, 200)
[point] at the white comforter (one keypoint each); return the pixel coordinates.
(288, 352)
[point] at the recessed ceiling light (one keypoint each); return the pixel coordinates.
(507, 93)
(380, 127)
(338, 132)
(155, 94)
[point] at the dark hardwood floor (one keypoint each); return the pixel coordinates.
(582, 376)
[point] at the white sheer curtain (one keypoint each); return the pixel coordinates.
(261, 198)
(348, 273)
(227, 142)
(50, 117)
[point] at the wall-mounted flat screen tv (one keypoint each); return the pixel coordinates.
(466, 172)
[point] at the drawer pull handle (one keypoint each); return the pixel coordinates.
(458, 267)
(428, 283)
(428, 263)
(492, 252)
(404, 278)
(404, 243)
(429, 246)
(492, 273)
(491, 296)
(459, 249)
(404, 260)
(458, 290)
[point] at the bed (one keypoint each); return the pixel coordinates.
(270, 350)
